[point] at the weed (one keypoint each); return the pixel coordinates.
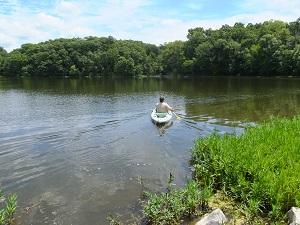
(7, 214)
(175, 205)
(2, 216)
(113, 220)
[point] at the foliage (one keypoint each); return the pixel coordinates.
(113, 220)
(7, 213)
(259, 168)
(172, 57)
(171, 207)
(176, 204)
(90, 56)
(270, 48)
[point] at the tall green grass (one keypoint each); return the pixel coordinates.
(260, 168)
(175, 205)
(7, 212)
(170, 207)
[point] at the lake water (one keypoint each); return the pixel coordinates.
(73, 149)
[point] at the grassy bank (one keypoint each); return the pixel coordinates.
(259, 169)
(256, 174)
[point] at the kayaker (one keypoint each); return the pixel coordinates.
(162, 106)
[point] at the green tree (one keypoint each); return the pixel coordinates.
(267, 49)
(195, 37)
(269, 55)
(172, 55)
(124, 67)
(74, 71)
(3, 52)
(294, 27)
(14, 64)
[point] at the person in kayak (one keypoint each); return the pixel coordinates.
(162, 106)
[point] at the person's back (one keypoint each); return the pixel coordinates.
(162, 107)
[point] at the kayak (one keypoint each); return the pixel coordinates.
(161, 117)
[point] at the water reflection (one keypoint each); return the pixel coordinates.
(72, 149)
(163, 127)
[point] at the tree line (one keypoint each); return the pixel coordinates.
(271, 48)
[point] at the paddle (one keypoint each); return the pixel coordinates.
(176, 115)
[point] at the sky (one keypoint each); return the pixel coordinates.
(151, 21)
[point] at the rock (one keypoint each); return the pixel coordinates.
(294, 216)
(2, 199)
(216, 217)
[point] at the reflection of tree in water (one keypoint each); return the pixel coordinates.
(242, 99)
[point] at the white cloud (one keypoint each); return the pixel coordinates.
(47, 21)
(144, 20)
(67, 9)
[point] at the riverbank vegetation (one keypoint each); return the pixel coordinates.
(271, 48)
(172, 207)
(259, 168)
(8, 209)
(176, 204)
(258, 171)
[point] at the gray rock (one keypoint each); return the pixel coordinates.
(2, 199)
(216, 217)
(294, 216)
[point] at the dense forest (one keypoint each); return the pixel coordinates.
(271, 48)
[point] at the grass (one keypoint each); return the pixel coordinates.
(175, 205)
(260, 169)
(7, 213)
(170, 207)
